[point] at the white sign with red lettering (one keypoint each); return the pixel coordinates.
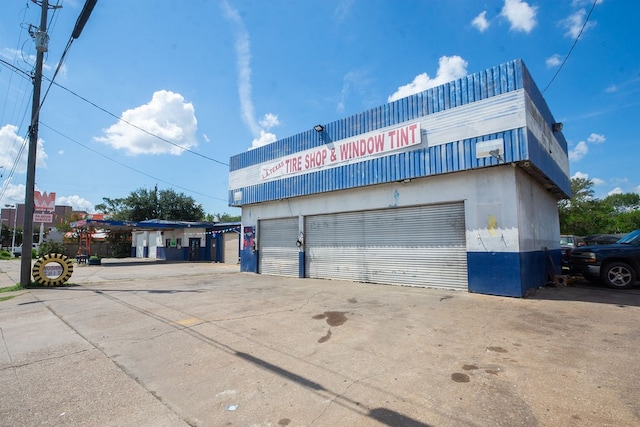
(40, 217)
(344, 151)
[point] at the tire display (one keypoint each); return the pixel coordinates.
(52, 276)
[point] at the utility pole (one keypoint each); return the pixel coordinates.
(42, 45)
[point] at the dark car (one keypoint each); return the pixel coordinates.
(567, 244)
(616, 265)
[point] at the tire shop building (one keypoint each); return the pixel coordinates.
(454, 187)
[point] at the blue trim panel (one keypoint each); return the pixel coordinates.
(249, 261)
(511, 273)
(472, 88)
(301, 265)
(451, 157)
(543, 161)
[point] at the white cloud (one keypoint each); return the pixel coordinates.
(76, 202)
(11, 149)
(574, 22)
(206, 137)
(269, 121)
(596, 138)
(357, 81)
(342, 10)
(520, 15)
(582, 148)
(616, 190)
(580, 175)
(553, 61)
(480, 22)
(13, 194)
(579, 151)
(167, 115)
(243, 64)
(611, 89)
(449, 68)
(264, 139)
(581, 3)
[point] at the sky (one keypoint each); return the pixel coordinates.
(162, 93)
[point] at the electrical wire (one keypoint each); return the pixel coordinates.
(52, 82)
(593, 6)
(136, 126)
(127, 166)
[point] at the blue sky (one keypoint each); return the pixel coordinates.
(203, 80)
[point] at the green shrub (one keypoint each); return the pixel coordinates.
(5, 255)
(50, 247)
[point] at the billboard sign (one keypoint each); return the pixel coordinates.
(44, 202)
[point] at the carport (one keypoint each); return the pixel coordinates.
(168, 240)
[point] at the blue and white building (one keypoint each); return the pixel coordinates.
(454, 187)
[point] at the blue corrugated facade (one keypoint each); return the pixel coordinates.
(453, 156)
(487, 140)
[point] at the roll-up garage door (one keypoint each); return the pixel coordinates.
(277, 244)
(231, 245)
(415, 246)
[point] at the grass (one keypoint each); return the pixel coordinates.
(13, 288)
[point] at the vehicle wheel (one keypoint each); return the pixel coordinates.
(619, 275)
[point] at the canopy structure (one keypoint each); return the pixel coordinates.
(87, 227)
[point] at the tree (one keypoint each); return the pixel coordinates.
(583, 214)
(225, 217)
(144, 204)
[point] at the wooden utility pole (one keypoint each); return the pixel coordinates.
(42, 45)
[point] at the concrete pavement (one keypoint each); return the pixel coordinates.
(200, 344)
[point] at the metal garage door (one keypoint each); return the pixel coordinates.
(277, 244)
(231, 245)
(416, 246)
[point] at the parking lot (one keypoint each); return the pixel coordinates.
(201, 344)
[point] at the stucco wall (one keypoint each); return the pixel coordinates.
(511, 221)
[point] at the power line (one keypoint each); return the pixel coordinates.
(593, 6)
(52, 82)
(127, 166)
(138, 127)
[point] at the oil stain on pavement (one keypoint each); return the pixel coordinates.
(333, 318)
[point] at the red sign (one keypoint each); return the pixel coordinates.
(44, 201)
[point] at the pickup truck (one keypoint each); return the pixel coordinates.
(17, 251)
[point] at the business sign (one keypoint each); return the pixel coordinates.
(344, 151)
(44, 201)
(41, 217)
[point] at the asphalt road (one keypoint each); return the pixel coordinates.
(158, 344)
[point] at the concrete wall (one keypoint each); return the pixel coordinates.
(511, 221)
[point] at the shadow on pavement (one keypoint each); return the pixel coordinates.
(582, 290)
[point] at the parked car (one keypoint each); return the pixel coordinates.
(602, 239)
(616, 265)
(17, 251)
(567, 244)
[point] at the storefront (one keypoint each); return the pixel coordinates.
(454, 187)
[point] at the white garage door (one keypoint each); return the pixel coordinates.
(416, 246)
(277, 245)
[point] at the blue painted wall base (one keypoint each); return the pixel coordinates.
(249, 261)
(511, 274)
